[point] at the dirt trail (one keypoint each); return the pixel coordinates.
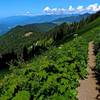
(87, 89)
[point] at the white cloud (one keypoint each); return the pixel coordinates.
(49, 10)
(71, 8)
(28, 13)
(80, 9)
(93, 7)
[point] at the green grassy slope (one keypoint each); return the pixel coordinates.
(54, 74)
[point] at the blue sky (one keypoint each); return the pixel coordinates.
(36, 7)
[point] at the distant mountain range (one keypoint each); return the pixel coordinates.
(7, 23)
(71, 19)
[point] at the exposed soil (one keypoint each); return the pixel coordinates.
(28, 34)
(88, 87)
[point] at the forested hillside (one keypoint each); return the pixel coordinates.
(21, 35)
(52, 64)
(19, 39)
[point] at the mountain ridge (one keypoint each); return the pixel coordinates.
(7, 23)
(71, 19)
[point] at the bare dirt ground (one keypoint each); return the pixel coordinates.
(28, 34)
(87, 89)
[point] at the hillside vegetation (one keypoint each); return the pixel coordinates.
(17, 40)
(55, 73)
(16, 36)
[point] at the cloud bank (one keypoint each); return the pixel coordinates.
(71, 10)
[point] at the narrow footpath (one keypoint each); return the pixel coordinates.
(87, 89)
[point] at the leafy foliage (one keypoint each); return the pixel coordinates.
(53, 75)
(22, 95)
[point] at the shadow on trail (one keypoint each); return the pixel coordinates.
(97, 75)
